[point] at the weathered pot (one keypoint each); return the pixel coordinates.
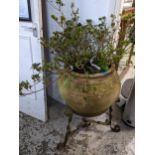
(89, 94)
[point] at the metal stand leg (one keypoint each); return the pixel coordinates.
(115, 128)
(85, 123)
(68, 130)
(107, 122)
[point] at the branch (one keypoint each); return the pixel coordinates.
(36, 91)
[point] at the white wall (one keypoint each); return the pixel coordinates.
(92, 9)
(89, 9)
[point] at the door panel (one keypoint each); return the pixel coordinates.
(30, 51)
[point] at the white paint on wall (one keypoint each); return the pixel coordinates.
(92, 9)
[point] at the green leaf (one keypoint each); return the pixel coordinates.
(89, 21)
(36, 66)
(62, 18)
(60, 2)
(36, 77)
(54, 17)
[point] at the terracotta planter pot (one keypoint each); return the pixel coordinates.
(89, 95)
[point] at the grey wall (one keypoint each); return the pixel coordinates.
(92, 9)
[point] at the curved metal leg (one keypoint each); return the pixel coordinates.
(115, 128)
(68, 131)
(97, 122)
(85, 123)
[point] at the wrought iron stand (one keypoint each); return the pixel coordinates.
(85, 123)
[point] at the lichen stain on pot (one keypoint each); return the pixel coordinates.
(89, 95)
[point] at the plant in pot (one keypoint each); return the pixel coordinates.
(85, 56)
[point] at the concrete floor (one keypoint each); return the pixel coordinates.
(38, 138)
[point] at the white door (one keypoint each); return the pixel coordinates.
(30, 51)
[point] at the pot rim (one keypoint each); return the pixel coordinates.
(95, 75)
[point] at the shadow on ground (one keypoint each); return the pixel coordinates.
(38, 138)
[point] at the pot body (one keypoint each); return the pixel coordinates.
(89, 95)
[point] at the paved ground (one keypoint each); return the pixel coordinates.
(38, 138)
